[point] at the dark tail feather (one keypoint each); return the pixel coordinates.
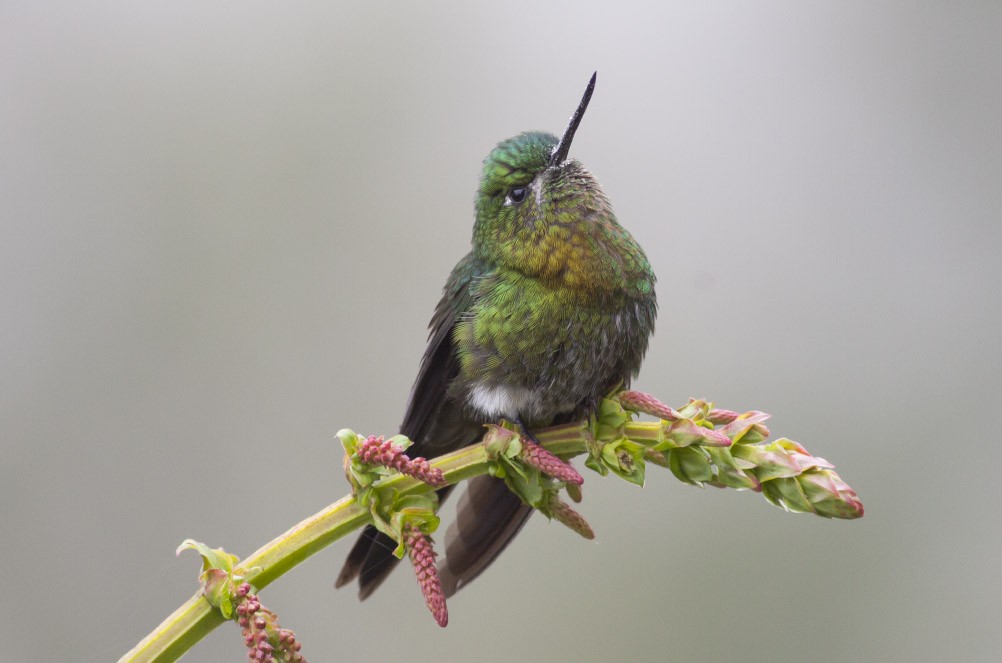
(377, 565)
(353, 564)
(371, 559)
(488, 518)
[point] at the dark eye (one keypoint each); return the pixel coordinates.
(517, 195)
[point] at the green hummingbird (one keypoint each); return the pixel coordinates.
(552, 308)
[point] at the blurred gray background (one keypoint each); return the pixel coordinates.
(225, 226)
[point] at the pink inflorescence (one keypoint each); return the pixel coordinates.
(719, 417)
(377, 451)
(563, 513)
(423, 559)
(264, 639)
(638, 401)
(549, 464)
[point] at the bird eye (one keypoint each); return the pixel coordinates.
(516, 195)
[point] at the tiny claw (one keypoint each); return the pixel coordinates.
(526, 433)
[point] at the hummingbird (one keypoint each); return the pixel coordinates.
(552, 308)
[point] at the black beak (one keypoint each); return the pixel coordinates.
(559, 153)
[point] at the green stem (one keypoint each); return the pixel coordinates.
(782, 470)
(196, 618)
(643, 431)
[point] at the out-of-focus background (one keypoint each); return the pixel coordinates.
(225, 226)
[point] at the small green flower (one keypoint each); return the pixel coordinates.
(691, 465)
(626, 459)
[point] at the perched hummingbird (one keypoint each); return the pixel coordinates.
(551, 309)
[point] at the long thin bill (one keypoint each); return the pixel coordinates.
(564, 146)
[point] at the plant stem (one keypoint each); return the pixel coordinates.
(782, 470)
(196, 618)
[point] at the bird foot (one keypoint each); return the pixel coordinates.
(526, 433)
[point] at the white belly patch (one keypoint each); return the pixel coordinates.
(501, 401)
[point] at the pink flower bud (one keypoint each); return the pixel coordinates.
(564, 514)
(549, 464)
(638, 401)
(721, 417)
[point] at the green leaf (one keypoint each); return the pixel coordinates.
(212, 558)
(417, 510)
(402, 442)
(695, 409)
(787, 493)
(501, 442)
(349, 440)
(526, 483)
(755, 434)
(217, 587)
(693, 463)
(217, 577)
(740, 427)
(824, 489)
(771, 461)
(610, 419)
(626, 459)
(730, 470)
(595, 464)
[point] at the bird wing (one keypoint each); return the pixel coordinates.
(432, 421)
(440, 364)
